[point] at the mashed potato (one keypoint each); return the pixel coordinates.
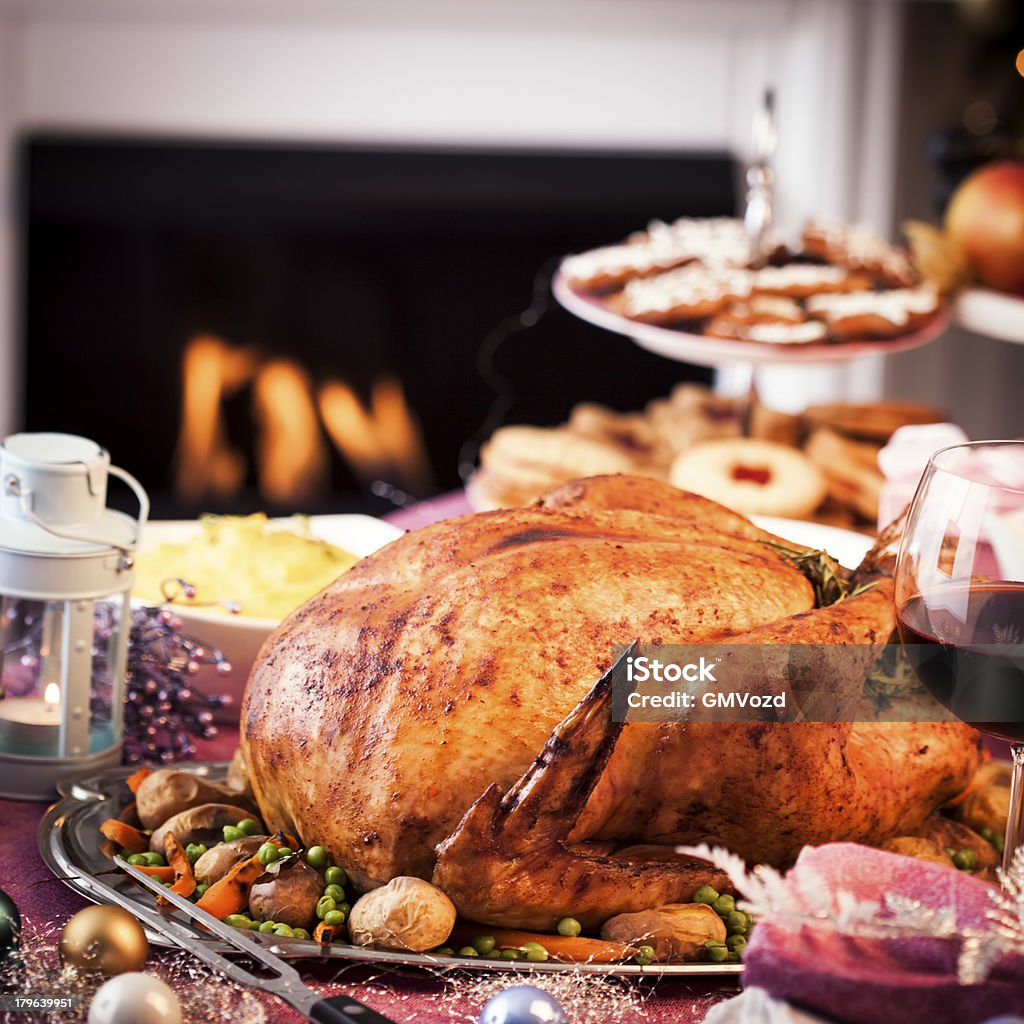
(266, 570)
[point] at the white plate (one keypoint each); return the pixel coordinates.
(239, 637)
(846, 546)
(994, 314)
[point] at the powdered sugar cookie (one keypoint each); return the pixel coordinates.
(798, 280)
(688, 293)
(752, 477)
(885, 314)
(810, 332)
(858, 248)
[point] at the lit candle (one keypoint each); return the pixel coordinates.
(30, 725)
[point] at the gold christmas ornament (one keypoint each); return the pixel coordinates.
(104, 940)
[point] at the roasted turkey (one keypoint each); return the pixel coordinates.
(434, 711)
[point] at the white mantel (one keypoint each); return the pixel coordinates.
(582, 73)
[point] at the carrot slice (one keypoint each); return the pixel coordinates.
(161, 871)
(571, 949)
(230, 894)
(323, 933)
(136, 780)
(184, 879)
(128, 838)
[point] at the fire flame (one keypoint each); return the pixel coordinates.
(382, 442)
(51, 695)
(292, 458)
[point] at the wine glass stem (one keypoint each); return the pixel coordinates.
(1015, 819)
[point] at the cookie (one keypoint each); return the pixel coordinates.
(870, 314)
(715, 241)
(766, 309)
(799, 280)
(809, 332)
(693, 413)
(688, 293)
(872, 421)
(630, 433)
(851, 469)
(858, 248)
(752, 477)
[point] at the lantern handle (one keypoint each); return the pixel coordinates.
(25, 500)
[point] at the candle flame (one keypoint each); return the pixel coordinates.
(52, 694)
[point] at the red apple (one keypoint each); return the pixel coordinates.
(985, 218)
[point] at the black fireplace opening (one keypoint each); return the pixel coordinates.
(278, 327)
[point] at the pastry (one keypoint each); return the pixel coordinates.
(693, 413)
(873, 421)
(718, 240)
(630, 433)
(858, 248)
(809, 332)
(752, 477)
(688, 293)
(872, 314)
(799, 280)
(851, 469)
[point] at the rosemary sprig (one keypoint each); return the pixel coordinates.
(824, 574)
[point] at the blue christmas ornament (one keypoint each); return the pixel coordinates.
(523, 1004)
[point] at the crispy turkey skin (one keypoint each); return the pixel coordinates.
(383, 708)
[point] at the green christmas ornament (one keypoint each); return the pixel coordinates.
(10, 925)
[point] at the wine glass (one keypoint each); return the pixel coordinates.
(960, 595)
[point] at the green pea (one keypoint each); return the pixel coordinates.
(535, 953)
(468, 951)
(965, 860)
(248, 827)
(284, 931)
(316, 857)
(194, 851)
(231, 833)
(569, 926)
(716, 954)
(138, 860)
(705, 894)
(737, 922)
(647, 952)
(324, 906)
(484, 944)
(155, 860)
(284, 851)
(444, 951)
(736, 943)
(267, 854)
(238, 921)
(300, 933)
(511, 954)
(735, 958)
(999, 842)
(336, 893)
(345, 908)
(335, 875)
(267, 927)
(200, 889)
(334, 918)
(724, 905)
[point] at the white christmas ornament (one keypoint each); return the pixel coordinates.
(135, 998)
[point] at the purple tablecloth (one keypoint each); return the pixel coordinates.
(46, 901)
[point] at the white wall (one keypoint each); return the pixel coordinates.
(611, 73)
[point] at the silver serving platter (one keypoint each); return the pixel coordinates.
(69, 843)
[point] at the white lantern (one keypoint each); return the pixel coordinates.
(65, 576)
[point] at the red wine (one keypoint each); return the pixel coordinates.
(966, 644)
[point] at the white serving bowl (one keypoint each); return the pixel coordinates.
(239, 637)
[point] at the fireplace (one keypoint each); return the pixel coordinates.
(284, 327)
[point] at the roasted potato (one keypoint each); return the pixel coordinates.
(217, 862)
(407, 913)
(287, 893)
(676, 930)
(166, 793)
(919, 849)
(203, 824)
